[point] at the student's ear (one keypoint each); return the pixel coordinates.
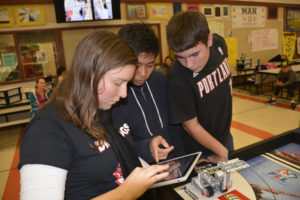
(210, 40)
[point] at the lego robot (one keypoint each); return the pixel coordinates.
(212, 178)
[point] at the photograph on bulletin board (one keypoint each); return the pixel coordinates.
(6, 18)
(158, 10)
(30, 14)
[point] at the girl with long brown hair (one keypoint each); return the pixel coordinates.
(70, 149)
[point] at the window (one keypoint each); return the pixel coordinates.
(9, 68)
(37, 52)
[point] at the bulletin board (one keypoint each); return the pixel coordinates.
(244, 33)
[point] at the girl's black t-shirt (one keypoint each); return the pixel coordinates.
(49, 139)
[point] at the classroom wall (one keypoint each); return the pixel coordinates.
(51, 23)
(241, 34)
(244, 43)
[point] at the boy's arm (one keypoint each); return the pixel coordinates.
(149, 149)
(291, 79)
(204, 138)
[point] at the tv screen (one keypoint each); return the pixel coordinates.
(103, 9)
(86, 10)
(78, 10)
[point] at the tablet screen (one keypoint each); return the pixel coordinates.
(179, 169)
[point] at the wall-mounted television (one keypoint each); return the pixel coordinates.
(86, 10)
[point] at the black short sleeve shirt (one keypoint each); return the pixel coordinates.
(205, 95)
(51, 140)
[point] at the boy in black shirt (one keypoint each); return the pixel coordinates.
(199, 86)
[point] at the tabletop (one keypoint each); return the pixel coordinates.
(275, 71)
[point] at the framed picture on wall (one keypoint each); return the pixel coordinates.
(192, 6)
(176, 7)
(30, 14)
(158, 10)
(6, 18)
(207, 11)
(225, 11)
(218, 11)
(272, 13)
(136, 11)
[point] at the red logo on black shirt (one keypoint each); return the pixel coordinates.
(124, 130)
(212, 80)
(102, 147)
(119, 175)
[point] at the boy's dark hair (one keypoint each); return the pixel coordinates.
(186, 29)
(60, 70)
(140, 37)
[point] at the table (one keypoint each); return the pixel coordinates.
(246, 153)
(269, 75)
(243, 72)
(295, 61)
(16, 104)
(15, 113)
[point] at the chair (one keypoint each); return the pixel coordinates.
(243, 63)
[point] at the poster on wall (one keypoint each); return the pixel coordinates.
(289, 44)
(136, 11)
(158, 10)
(265, 39)
(30, 14)
(9, 59)
(41, 56)
(248, 16)
(5, 16)
(216, 27)
(232, 51)
(293, 19)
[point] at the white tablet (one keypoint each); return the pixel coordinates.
(179, 170)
